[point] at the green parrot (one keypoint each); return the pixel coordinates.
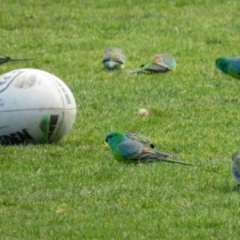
(230, 66)
(127, 150)
(158, 63)
(113, 58)
(4, 59)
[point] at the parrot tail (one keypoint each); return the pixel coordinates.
(15, 60)
(177, 162)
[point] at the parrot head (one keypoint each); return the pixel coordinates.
(114, 138)
(235, 155)
(220, 62)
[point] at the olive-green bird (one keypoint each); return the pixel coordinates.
(113, 58)
(158, 63)
(4, 59)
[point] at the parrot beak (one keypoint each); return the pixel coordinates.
(106, 139)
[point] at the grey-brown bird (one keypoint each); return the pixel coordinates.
(113, 58)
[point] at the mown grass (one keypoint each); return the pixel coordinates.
(75, 189)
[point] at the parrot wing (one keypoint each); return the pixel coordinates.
(134, 150)
(166, 61)
(142, 139)
(157, 68)
(139, 137)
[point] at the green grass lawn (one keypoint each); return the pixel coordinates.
(75, 189)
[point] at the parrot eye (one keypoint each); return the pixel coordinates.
(108, 137)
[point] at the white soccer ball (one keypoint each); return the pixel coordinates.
(35, 107)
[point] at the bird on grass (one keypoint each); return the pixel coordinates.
(128, 150)
(235, 166)
(230, 66)
(4, 59)
(113, 58)
(157, 63)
